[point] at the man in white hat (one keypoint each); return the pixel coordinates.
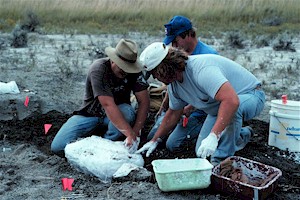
(220, 87)
(106, 102)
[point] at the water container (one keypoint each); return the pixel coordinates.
(284, 131)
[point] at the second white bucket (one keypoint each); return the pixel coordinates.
(284, 130)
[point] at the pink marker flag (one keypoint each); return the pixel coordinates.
(26, 101)
(67, 183)
(47, 127)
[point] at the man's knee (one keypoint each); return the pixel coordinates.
(57, 149)
(172, 146)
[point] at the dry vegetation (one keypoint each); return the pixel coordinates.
(122, 16)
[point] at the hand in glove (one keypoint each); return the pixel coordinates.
(149, 147)
(208, 146)
(133, 145)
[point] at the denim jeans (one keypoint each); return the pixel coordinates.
(79, 126)
(180, 136)
(234, 137)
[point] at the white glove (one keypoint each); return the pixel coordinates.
(208, 146)
(149, 147)
(135, 144)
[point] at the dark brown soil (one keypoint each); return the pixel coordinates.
(31, 131)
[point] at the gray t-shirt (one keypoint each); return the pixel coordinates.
(203, 77)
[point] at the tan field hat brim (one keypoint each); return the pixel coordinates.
(126, 66)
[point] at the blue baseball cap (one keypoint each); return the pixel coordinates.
(177, 25)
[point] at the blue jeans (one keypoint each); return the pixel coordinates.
(79, 126)
(233, 139)
(181, 136)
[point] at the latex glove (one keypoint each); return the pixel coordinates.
(149, 147)
(208, 146)
(133, 145)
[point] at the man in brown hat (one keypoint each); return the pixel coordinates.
(106, 102)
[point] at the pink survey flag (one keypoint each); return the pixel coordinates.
(47, 127)
(26, 101)
(67, 183)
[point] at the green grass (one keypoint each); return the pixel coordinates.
(211, 17)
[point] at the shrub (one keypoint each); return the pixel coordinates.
(284, 46)
(30, 22)
(19, 37)
(234, 39)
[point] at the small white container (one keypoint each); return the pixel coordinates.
(182, 174)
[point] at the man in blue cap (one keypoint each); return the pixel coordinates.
(180, 33)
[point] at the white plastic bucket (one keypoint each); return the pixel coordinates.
(284, 131)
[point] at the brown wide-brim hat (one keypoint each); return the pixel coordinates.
(125, 56)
